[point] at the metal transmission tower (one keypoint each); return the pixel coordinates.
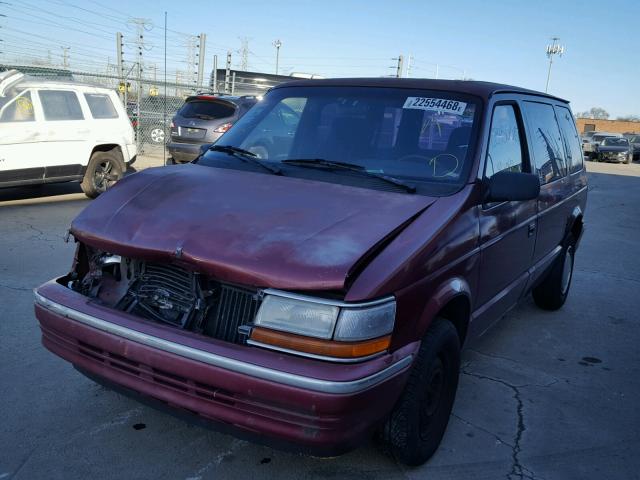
(65, 57)
(244, 54)
(142, 25)
(277, 44)
(553, 49)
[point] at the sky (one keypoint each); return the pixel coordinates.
(494, 40)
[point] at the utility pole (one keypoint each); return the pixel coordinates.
(399, 66)
(119, 46)
(65, 57)
(437, 71)
(409, 61)
(203, 40)
(244, 54)
(277, 44)
(553, 49)
(227, 73)
(215, 73)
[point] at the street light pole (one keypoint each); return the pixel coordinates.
(553, 49)
(277, 44)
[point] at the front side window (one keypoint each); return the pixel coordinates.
(544, 136)
(60, 105)
(571, 141)
(17, 108)
(100, 106)
(505, 150)
(420, 137)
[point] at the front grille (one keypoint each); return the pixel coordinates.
(235, 307)
(189, 300)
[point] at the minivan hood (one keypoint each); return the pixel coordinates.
(244, 227)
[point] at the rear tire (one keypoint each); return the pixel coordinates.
(103, 171)
(552, 292)
(416, 425)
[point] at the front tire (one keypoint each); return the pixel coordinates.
(103, 171)
(552, 292)
(415, 427)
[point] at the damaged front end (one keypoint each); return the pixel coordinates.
(164, 293)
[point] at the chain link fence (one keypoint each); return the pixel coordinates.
(151, 103)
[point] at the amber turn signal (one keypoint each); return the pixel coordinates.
(316, 346)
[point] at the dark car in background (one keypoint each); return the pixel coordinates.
(590, 143)
(321, 290)
(613, 149)
(634, 140)
(202, 120)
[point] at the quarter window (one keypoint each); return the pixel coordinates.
(572, 148)
(505, 150)
(546, 141)
(60, 105)
(100, 106)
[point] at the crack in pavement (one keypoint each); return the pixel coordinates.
(482, 429)
(517, 469)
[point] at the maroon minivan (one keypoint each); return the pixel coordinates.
(310, 279)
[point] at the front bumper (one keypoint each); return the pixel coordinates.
(320, 407)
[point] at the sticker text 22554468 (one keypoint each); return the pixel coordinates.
(435, 104)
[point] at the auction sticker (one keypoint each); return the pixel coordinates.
(435, 104)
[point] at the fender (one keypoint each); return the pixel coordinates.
(575, 225)
(448, 290)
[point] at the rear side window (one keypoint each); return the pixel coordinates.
(60, 105)
(100, 106)
(572, 148)
(206, 110)
(544, 136)
(505, 150)
(18, 110)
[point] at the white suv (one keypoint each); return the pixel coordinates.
(58, 131)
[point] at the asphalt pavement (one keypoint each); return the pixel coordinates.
(544, 395)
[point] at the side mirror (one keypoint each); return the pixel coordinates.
(512, 186)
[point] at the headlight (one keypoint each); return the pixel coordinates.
(323, 328)
(297, 316)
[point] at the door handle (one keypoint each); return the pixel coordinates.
(531, 229)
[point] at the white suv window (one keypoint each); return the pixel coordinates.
(100, 105)
(19, 109)
(60, 105)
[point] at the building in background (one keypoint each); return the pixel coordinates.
(613, 126)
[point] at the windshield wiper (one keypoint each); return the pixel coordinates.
(353, 167)
(245, 156)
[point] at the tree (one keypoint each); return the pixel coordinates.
(596, 113)
(629, 118)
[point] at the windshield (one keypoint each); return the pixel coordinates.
(600, 138)
(206, 108)
(418, 136)
(615, 142)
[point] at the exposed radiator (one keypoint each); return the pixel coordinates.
(185, 299)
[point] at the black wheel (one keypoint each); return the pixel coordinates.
(415, 427)
(552, 292)
(103, 171)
